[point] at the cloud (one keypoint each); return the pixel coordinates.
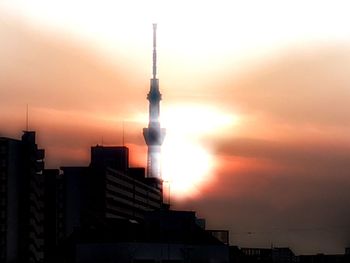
(303, 206)
(301, 85)
(304, 154)
(76, 99)
(47, 70)
(289, 194)
(283, 173)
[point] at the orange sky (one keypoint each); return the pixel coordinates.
(281, 171)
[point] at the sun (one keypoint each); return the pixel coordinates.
(187, 160)
(186, 165)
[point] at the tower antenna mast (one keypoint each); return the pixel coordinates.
(154, 51)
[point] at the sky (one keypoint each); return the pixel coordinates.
(255, 103)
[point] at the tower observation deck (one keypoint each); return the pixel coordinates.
(154, 134)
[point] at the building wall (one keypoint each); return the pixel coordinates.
(32, 199)
(116, 157)
(108, 188)
(130, 197)
(21, 200)
(150, 252)
(221, 235)
(10, 163)
(74, 198)
(51, 213)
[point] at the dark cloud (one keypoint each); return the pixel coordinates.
(304, 154)
(305, 211)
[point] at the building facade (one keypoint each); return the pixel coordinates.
(107, 189)
(21, 200)
(163, 236)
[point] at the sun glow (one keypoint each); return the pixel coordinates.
(186, 165)
(187, 162)
(193, 29)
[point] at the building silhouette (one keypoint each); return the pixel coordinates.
(53, 223)
(114, 213)
(281, 255)
(163, 236)
(21, 200)
(107, 189)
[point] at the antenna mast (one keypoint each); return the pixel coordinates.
(27, 118)
(154, 51)
(123, 138)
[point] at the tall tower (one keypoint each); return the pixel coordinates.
(154, 134)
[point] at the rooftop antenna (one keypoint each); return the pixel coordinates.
(27, 118)
(123, 136)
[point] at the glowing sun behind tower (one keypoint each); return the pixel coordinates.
(185, 163)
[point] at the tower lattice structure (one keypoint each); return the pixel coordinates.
(154, 134)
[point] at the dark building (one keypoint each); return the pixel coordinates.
(21, 200)
(107, 189)
(52, 213)
(74, 198)
(114, 157)
(222, 235)
(114, 213)
(280, 255)
(263, 255)
(162, 236)
(236, 255)
(322, 258)
(283, 255)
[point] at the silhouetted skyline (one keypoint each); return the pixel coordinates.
(279, 161)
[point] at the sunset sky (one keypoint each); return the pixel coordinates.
(255, 102)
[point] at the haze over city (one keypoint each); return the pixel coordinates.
(255, 103)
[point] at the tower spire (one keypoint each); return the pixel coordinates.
(154, 134)
(154, 51)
